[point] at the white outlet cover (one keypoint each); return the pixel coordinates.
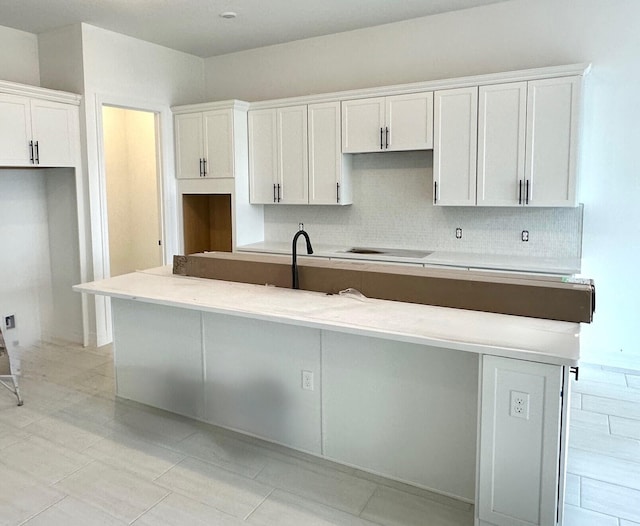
(307, 380)
(519, 406)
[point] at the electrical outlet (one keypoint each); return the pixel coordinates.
(458, 233)
(10, 321)
(307, 380)
(525, 235)
(519, 405)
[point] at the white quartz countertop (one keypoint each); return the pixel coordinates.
(538, 340)
(561, 266)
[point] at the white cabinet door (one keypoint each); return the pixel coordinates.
(409, 121)
(328, 175)
(552, 129)
(293, 163)
(54, 131)
(455, 146)
(502, 112)
(363, 125)
(15, 131)
(218, 143)
(263, 156)
(158, 360)
(519, 442)
(189, 146)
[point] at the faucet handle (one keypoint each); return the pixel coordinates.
(300, 226)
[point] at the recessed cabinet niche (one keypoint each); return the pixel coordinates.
(207, 223)
(524, 135)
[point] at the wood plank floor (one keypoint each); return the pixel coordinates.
(74, 455)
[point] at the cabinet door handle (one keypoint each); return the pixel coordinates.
(386, 140)
(37, 148)
(274, 192)
(435, 192)
(381, 132)
(278, 192)
(526, 194)
(204, 167)
(200, 167)
(337, 192)
(31, 158)
(520, 192)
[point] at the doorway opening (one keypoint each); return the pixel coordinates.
(133, 189)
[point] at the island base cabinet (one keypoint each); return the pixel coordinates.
(158, 357)
(253, 379)
(404, 411)
(520, 443)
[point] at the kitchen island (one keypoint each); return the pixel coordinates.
(469, 404)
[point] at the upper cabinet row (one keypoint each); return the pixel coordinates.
(37, 132)
(510, 144)
(498, 140)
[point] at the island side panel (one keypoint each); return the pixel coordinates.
(254, 379)
(405, 411)
(157, 355)
(519, 470)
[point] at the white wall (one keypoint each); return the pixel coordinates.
(19, 56)
(25, 287)
(110, 68)
(500, 37)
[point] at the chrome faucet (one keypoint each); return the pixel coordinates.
(294, 254)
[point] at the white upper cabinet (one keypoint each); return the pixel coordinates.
(293, 161)
(328, 169)
(502, 113)
(278, 156)
(526, 149)
(552, 129)
(15, 131)
(54, 128)
(394, 123)
(263, 156)
(35, 132)
(189, 145)
(455, 145)
(204, 144)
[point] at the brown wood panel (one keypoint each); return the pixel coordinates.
(505, 293)
(207, 223)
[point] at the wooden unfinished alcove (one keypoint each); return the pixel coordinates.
(207, 223)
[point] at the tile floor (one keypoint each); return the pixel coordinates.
(74, 455)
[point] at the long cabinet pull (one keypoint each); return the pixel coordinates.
(274, 192)
(204, 167)
(31, 157)
(381, 132)
(526, 194)
(37, 154)
(520, 192)
(435, 192)
(337, 192)
(386, 140)
(278, 192)
(200, 167)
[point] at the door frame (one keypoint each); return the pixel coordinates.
(166, 195)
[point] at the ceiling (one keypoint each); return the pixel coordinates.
(194, 26)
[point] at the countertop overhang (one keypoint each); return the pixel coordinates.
(533, 339)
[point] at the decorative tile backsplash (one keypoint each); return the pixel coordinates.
(393, 208)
